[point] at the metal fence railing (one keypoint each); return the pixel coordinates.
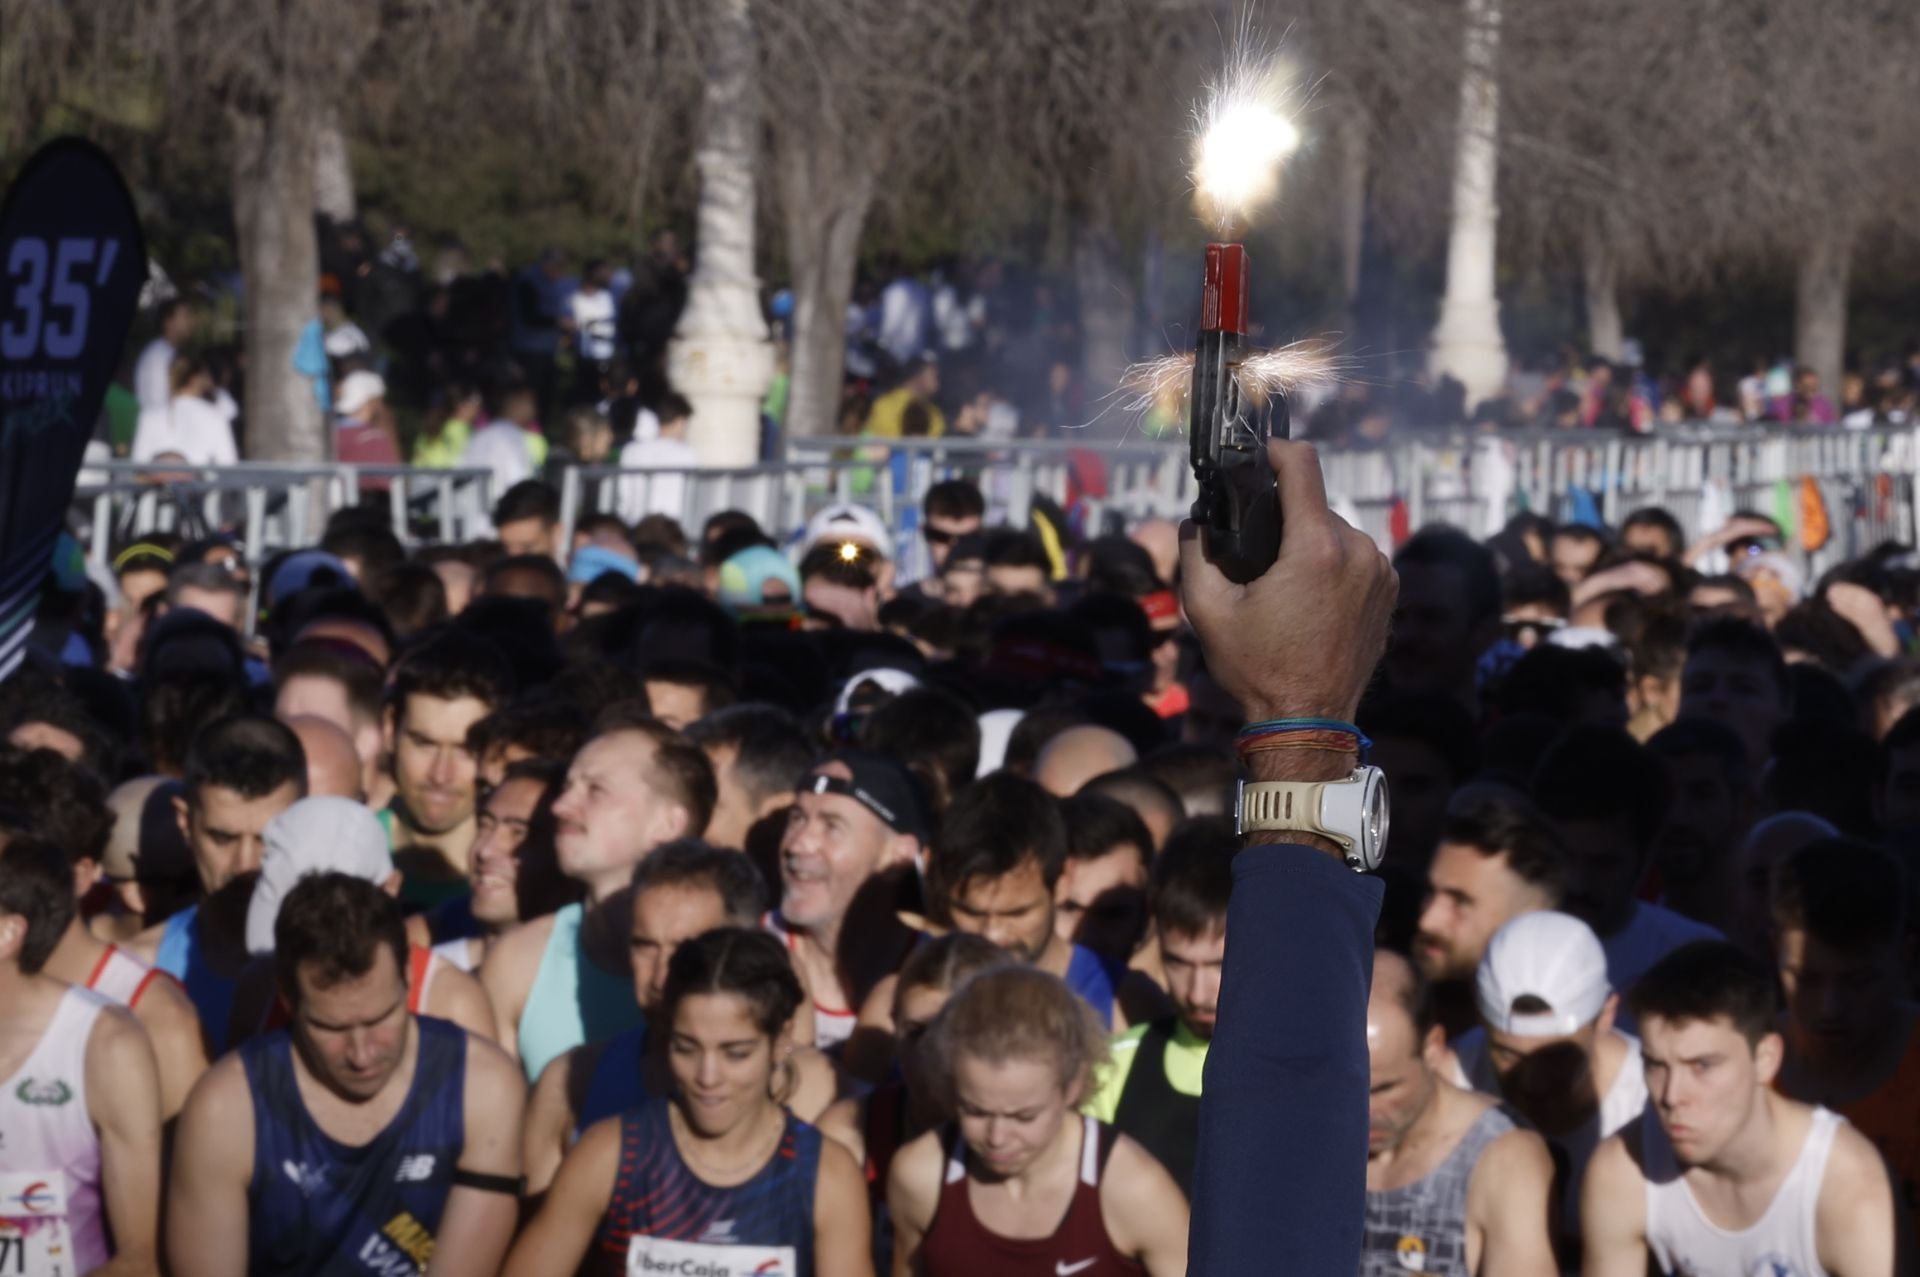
(1863, 480)
(272, 505)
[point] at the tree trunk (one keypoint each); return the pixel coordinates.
(826, 191)
(280, 261)
(1820, 305)
(333, 172)
(720, 357)
(1467, 344)
(1606, 334)
(1107, 309)
(1355, 155)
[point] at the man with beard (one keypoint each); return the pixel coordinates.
(516, 876)
(361, 1137)
(1550, 1048)
(992, 871)
(1150, 1088)
(439, 690)
(1454, 1187)
(241, 773)
(1497, 858)
(1697, 850)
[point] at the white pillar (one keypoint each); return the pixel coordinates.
(1467, 344)
(720, 358)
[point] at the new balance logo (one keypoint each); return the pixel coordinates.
(308, 1179)
(414, 1169)
(719, 1233)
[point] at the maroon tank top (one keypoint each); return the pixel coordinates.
(959, 1245)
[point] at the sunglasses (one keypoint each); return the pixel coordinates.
(940, 536)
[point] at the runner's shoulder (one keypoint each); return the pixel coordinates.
(222, 1095)
(146, 945)
(917, 1164)
(515, 956)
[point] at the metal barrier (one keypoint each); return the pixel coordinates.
(1865, 480)
(272, 505)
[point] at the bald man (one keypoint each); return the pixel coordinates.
(1453, 1185)
(146, 864)
(1149, 797)
(1160, 538)
(458, 579)
(1768, 843)
(1077, 755)
(333, 765)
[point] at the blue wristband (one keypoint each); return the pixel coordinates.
(1279, 726)
(1300, 725)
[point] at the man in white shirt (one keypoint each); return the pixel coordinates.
(1548, 1044)
(1724, 1174)
(667, 450)
(186, 427)
(592, 309)
(502, 444)
(152, 375)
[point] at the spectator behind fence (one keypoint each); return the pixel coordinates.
(186, 427)
(667, 450)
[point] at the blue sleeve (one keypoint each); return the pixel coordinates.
(1281, 1179)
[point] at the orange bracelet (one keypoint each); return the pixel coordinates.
(1328, 742)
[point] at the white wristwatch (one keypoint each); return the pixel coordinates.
(1351, 812)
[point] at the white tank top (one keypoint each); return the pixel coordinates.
(1781, 1242)
(120, 977)
(50, 1217)
(832, 1026)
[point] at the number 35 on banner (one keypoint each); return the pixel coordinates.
(50, 302)
(72, 263)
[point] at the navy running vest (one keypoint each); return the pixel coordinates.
(617, 1083)
(665, 1219)
(318, 1208)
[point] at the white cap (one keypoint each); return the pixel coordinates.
(889, 680)
(315, 835)
(848, 522)
(1554, 957)
(358, 389)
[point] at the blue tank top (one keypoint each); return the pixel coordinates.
(572, 1001)
(183, 955)
(318, 1208)
(1094, 979)
(664, 1218)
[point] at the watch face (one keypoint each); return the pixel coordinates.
(1377, 817)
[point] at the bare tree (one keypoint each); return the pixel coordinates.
(847, 115)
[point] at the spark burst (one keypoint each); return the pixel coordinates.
(1242, 132)
(1288, 370)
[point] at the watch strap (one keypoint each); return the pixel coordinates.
(1285, 806)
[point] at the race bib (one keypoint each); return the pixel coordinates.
(34, 1239)
(659, 1257)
